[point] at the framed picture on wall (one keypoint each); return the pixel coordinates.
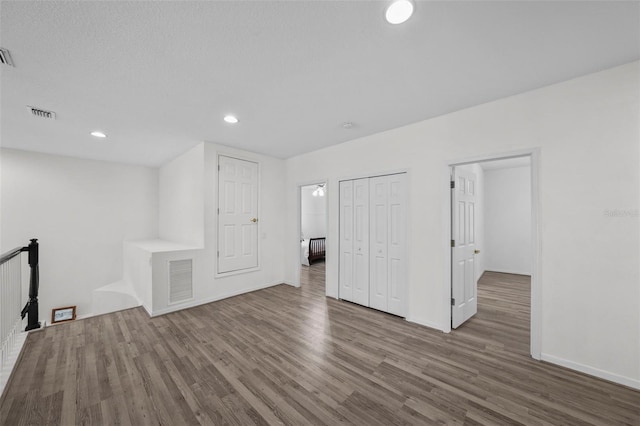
(63, 314)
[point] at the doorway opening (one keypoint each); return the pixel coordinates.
(492, 281)
(313, 233)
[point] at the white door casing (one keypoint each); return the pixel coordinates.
(464, 286)
(237, 214)
(361, 241)
(346, 240)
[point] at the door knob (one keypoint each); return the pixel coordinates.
(476, 251)
(254, 220)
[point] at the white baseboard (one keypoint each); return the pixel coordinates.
(506, 271)
(291, 283)
(83, 316)
(425, 323)
(12, 359)
(147, 309)
(592, 371)
(199, 302)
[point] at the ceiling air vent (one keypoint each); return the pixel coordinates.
(37, 112)
(5, 57)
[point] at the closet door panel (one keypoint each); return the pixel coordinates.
(379, 234)
(397, 299)
(346, 241)
(361, 241)
(372, 243)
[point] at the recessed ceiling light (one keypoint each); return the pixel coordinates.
(399, 11)
(347, 125)
(232, 119)
(98, 134)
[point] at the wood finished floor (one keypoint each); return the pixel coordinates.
(285, 355)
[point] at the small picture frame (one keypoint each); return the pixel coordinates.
(63, 314)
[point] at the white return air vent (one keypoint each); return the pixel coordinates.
(180, 280)
(42, 113)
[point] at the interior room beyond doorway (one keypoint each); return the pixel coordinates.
(313, 232)
(491, 207)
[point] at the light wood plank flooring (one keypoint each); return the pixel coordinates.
(285, 355)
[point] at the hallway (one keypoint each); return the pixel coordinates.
(286, 355)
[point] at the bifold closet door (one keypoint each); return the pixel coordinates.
(387, 241)
(346, 240)
(372, 242)
(354, 241)
(361, 241)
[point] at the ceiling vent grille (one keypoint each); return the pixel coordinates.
(5, 57)
(41, 113)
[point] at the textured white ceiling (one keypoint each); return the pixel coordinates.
(158, 77)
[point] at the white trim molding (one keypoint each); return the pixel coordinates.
(198, 302)
(12, 356)
(536, 273)
(592, 371)
(424, 323)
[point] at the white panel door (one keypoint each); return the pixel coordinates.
(237, 214)
(396, 246)
(388, 240)
(346, 240)
(464, 303)
(361, 241)
(379, 237)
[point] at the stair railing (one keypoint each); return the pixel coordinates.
(11, 296)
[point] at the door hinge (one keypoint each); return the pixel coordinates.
(453, 302)
(453, 243)
(218, 210)
(218, 253)
(453, 184)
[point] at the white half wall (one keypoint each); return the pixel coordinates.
(313, 213)
(587, 134)
(508, 220)
(181, 217)
(208, 285)
(81, 211)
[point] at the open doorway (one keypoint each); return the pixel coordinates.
(492, 280)
(313, 232)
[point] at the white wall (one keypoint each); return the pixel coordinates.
(81, 211)
(507, 245)
(313, 214)
(181, 217)
(588, 135)
(208, 285)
